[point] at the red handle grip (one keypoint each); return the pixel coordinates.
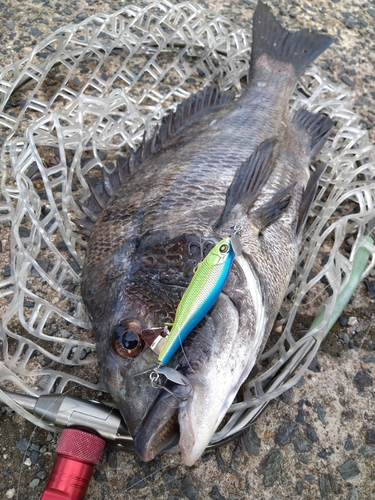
(78, 451)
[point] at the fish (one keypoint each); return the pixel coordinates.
(200, 296)
(214, 164)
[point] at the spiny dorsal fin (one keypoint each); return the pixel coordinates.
(111, 182)
(98, 192)
(315, 127)
(91, 209)
(85, 225)
(271, 211)
(171, 126)
(249, 179)
(309, 195)
(94, 206)
(172, 123)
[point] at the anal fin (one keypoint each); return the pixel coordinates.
(314, 127)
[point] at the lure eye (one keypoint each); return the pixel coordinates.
(126, 339)
(224, 248)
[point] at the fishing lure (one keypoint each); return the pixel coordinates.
(201, 294)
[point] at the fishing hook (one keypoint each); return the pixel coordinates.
(172, 375)
(201, 245)
(236, 229)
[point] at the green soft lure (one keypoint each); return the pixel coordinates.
(201, 294)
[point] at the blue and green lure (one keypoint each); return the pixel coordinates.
(201, 294)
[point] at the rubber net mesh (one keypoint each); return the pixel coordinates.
(85, 96)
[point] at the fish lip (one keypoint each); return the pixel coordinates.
(159, 430)
(148, 449)
(196, 427)
(213, 391)
(145, 453)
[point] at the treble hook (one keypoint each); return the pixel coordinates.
(156, 384)
(196, 243)
(175, 377)
(207, 243)
(235, 239)
(202, 245)
(236, 229)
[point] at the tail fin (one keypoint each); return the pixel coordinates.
(270, 38)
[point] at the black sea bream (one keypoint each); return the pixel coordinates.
(214, 164)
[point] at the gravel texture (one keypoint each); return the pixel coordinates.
(318, 440)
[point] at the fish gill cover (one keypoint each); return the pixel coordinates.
(82, 99)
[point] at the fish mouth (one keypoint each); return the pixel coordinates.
(189, 416)
(159, 430)
(163, 439)
(174, 420)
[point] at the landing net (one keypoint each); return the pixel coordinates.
(84, 97)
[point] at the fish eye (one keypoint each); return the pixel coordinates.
(224, 248)
(126, 339)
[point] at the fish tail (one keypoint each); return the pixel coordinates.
(270, 38)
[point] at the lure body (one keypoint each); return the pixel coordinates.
(200, 296)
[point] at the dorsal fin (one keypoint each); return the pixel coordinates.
(171, 125)
(249, 179)
(91, 208)
(313, 129)
(97, 190)
(111, 182)
(94, 206)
